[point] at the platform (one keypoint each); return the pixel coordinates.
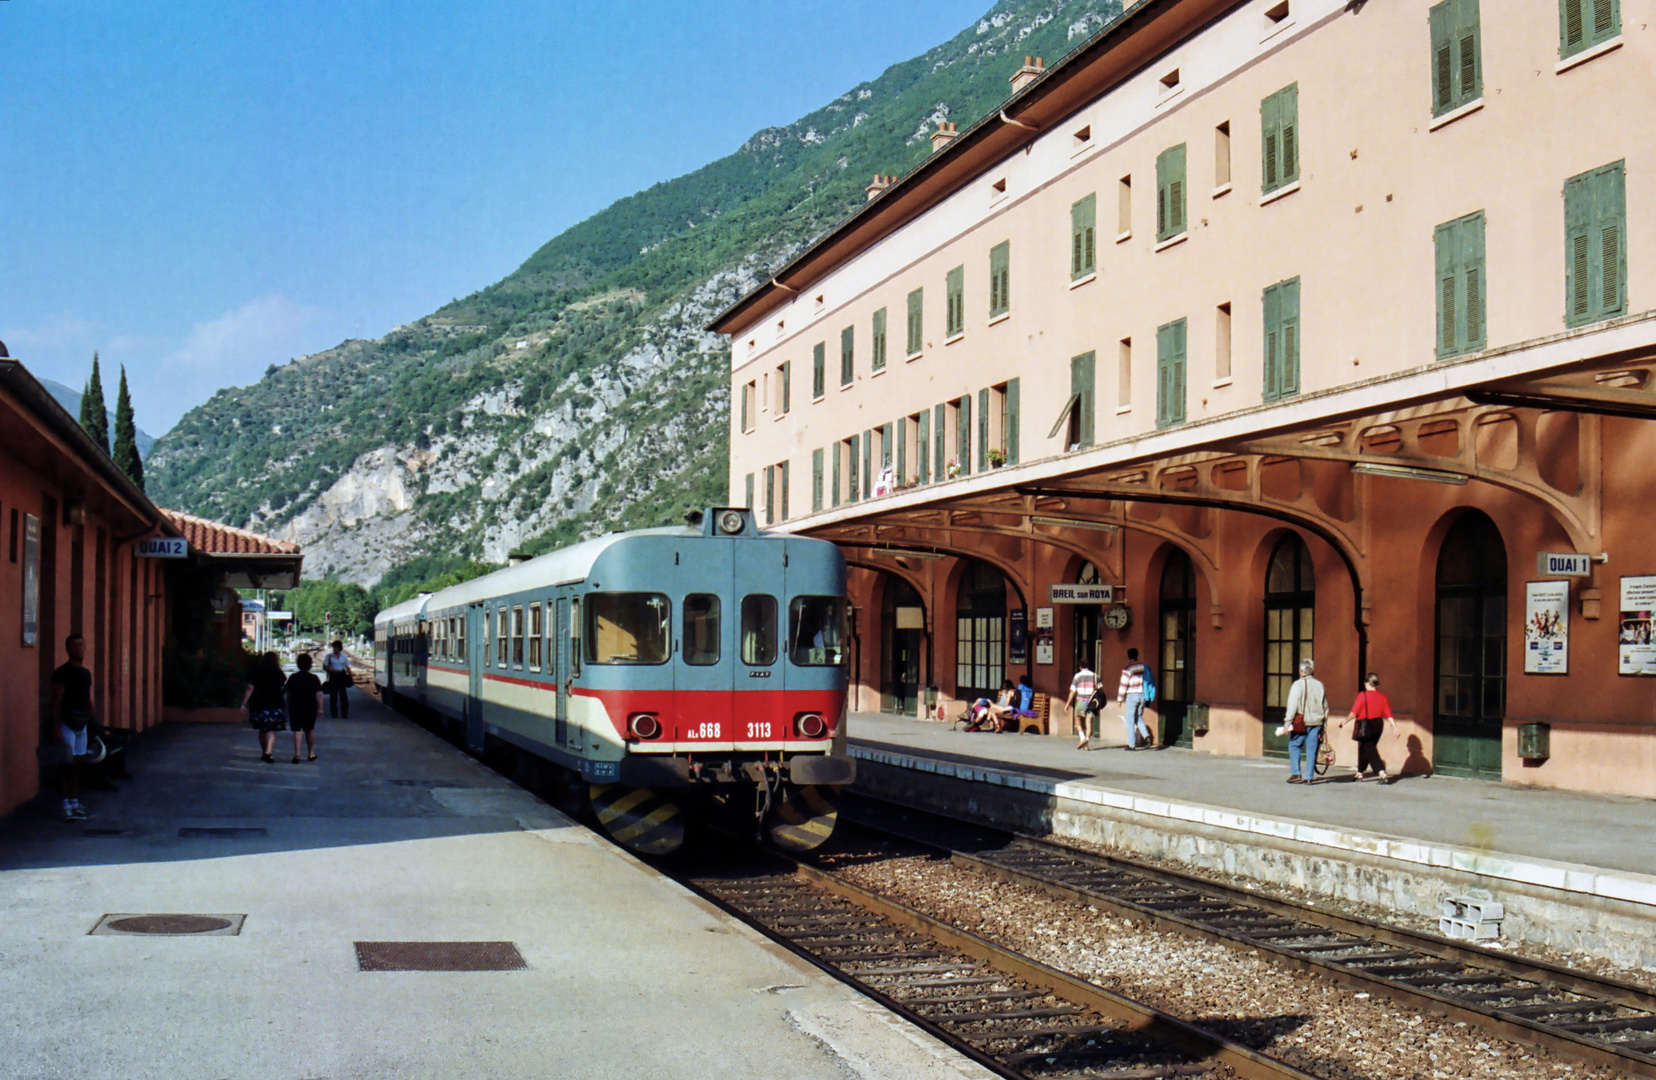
(1577, 871)
(393, 835)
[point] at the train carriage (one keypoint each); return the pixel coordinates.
(672, 670)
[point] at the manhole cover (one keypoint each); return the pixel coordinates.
(170, 924)
(221, 832)
(438, 956)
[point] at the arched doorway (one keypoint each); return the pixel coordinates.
(1470, 701)
(980, 632)
(1290, 614)
(1176, 667)
(1088, 620)
(902, 627)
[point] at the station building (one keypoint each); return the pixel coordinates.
(1268, 330)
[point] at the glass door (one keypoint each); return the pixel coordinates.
(1176, 674)
(1290, 622)
(1470, 702)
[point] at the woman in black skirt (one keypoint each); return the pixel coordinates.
(265, 707)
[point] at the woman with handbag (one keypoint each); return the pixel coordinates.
(1307, 711)
(1369, 715)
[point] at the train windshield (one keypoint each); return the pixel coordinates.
(758, 630)
(816, 629)
(627, 628)
(701, 629)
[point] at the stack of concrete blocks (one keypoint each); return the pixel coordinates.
(1470, 918)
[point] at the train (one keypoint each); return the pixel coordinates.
(667, 675)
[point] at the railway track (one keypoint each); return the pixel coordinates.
(1590, 1018)
(1013, 1015)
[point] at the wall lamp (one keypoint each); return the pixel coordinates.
(1071, 523)
(903, 553)
(1408, 472)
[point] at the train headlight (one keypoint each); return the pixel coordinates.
(811, 725)
(643, 725)
(730, 521)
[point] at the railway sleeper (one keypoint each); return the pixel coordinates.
(1601, 1027)
(1011, 1014)
(1039, 1033)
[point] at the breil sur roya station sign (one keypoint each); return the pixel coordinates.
(1082, 594)
(1556, 565)
(163, 547)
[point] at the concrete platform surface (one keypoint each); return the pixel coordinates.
(393, 835)
(1604, 844)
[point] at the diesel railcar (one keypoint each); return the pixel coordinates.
(675, 671)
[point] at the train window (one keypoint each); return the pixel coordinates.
(536, 631)
(460, 637)
(551, 646)
(816, 631)
(758, 630)
(517, 636)
(503, 639)
(488, 629)
(575, 638)
(701, 629)
(627, 628)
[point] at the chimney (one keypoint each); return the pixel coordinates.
(943, 136)
(879, 185)
(1031, 70)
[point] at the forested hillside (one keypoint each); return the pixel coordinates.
(580, 393)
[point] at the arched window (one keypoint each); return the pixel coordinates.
(1176, 664)
(1290, 614)
(1470, 698)
(902, 624)
(1087, 622)
(980, 632)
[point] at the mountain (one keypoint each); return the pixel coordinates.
(580, 393)
(71, 399)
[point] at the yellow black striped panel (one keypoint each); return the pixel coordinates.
(803, 820)
(638, 818)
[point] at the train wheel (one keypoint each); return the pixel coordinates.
(638, 818)
(804, 819)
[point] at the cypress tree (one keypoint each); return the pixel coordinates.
(94, 414)
(126, 436)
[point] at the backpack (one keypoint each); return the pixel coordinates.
(1149, 684)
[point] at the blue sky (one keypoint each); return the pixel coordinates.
(198, 190)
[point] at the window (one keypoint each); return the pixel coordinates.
(848, 341)
(460, 638)
(749, 397)
(1170, 193)
(627, 628)
(963, 433)
(749, 502)
(701, 629)
(1282, 339)
(1000, 279)
(955, 287)
(1003, 421)
(914, 430)
(1585, 23)
(1171, 84)
(877, 347)
(1460, 285)
(502, 638)
(1221, 156)
(1279, 117)
(537, 631)
(1457, 62)
(1124, 375)
(784, 383)
(1222, 343)
(1170, 373)
(816, 631)
(550, 651)
(1595, 225)
(1276, 17)
(851, 449)
(517, 636)
(1083, 241)
(1083, 374)
(1124, 208)
(816, 480)
(819, 370)
(758, 630)
(770, 494)
(575, 625)
(782, 482)
(1082, 138)
(916, 333)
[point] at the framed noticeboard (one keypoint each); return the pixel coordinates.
(1636, 638)
(31, 579)
(1017, 637)
(1547, 628)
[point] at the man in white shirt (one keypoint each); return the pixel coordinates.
(1308, 702)
(338, 668)
(1082, 702)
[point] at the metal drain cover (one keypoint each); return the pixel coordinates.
(438, 956)
(170, 925)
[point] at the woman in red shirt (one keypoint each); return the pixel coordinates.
(1368, 713)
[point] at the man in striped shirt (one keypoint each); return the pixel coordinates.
(1082, 702)
(1131, 695)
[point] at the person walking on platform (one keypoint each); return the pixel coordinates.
(1307, 712)
(1369, 715)
(338, 668)
(1082, 702)
(1130, 695)
(263, 702)
(71, 717)
(304, 705)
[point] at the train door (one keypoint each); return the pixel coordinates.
(476, 657)
(561, 669)
(704, 669)
(760, 592)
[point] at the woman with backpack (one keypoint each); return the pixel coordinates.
(1369, 715)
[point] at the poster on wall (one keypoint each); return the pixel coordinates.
(1044, 652)
(1637, 642)
(1547, 628)
(31, 579)
(1017, 637)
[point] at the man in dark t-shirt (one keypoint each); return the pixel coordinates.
(71, 717)
(304, 703)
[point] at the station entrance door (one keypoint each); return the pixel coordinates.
(1290, 613)
(1470, 701)
(902, 628)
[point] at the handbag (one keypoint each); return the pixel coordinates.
(1366, 727)
(1297, 725)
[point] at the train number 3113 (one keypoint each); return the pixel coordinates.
(759, 730)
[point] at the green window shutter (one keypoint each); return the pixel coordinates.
(922, 448)
(1290, 322)
(1444, 241)
(784, 478)
(1279, 138)
(901, 474)
(964, 436)
(770, 494)
(1442, 21)
(868, 464)
(1595, 226)
(1585, 23)
(887, 438)
(1273, 344)
(1084, 237)
(877, 351)
(1000, 279)
(1083, 373)
(1610, 221)
(1170, 192)
(816, 481)
(1011, 423)
(749, 502)
(983, 430)
(1470, 246)
(955, 288)
(916, 332)
(940, 438)
(1578, 240)
(848, 359)
(787, 383)
(834, 499)
(1170, 373)
(1288, 127)
(1468, 57)
(741, 391)
(819, 362)
(854, 489)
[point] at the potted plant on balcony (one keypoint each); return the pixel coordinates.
(997, 458)
(954, 468)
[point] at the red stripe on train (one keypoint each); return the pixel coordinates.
(687, 715)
